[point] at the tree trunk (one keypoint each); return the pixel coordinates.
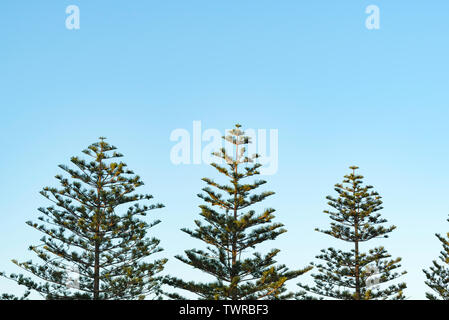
(357, 270)
(234, 236)
(97, 271)
(356, 232)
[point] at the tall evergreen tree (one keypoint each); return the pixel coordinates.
(438, 274)
(95, 244)
(232, 229)
(352, 274)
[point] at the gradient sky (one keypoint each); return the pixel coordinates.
(339, 95)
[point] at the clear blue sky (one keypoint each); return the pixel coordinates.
(339, 94)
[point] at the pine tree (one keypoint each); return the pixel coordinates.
(355, 274)
(232, 231)
(438, 274)
(95, 244)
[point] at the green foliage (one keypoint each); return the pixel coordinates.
(231, 229)
(352, 274)
(438, 274)
(86, 231)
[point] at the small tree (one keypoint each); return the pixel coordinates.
(354, 274)
(85, 236)
(438, 274)
(233, 229)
